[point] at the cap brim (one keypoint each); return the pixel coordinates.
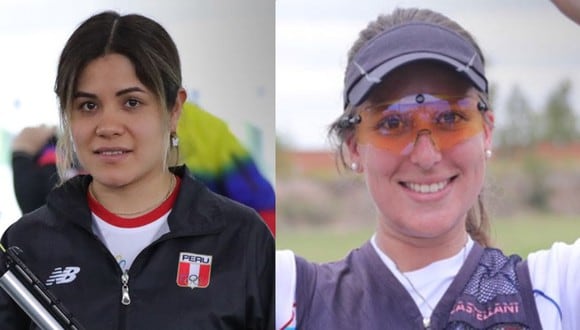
(362, 88)
(406, 43)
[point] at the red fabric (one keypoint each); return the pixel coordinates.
(47, 158)
(139, 221)
(269, 217)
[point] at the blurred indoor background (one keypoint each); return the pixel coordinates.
(227, 55)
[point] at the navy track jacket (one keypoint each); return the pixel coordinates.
(60, 248)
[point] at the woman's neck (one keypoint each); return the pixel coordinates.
(135, 198)
(412, 253)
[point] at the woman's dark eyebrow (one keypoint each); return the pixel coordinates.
(130, 90)
(84, 94)
(119, 93)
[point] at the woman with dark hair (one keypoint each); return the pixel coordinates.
(418, 127)
(137, 242)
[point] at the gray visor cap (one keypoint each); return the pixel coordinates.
(414, 41)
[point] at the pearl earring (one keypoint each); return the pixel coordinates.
(488, 153)
(354, 166)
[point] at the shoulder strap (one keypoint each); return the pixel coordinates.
(527, 293)
(305, 289)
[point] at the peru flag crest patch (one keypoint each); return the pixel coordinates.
(193, 270)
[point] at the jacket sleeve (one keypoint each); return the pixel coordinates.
(11, 316)
(34, 177)
(261, 281)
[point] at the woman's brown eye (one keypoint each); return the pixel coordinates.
(392, 122)
(88, 106)
(132, 103)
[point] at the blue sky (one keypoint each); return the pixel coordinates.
(526, 42)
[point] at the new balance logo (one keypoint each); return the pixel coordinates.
(62, 276)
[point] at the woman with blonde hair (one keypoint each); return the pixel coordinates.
(418, 127)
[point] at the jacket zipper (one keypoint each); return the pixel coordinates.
(125, 298)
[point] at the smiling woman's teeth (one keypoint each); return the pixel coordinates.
(111, 153)
(426, 188)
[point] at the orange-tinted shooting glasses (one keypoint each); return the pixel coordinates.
(396, 126)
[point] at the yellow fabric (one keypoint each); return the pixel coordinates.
(206, 144)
